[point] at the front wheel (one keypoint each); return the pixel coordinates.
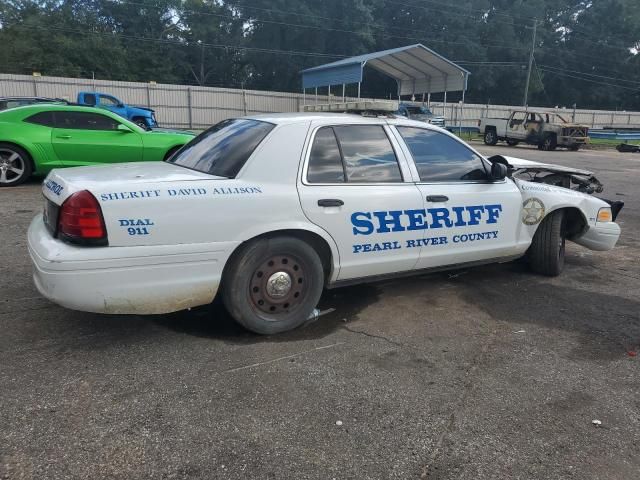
(15, 165)
(490, 137)
(546, 253)
(141, 123)
(273, 285)
(549, 143)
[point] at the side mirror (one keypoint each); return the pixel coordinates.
(123, 128)
(498, 171)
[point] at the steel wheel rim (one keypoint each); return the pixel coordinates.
(268, 291)
(12, 166)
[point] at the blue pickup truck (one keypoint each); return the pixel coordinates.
(143, 117)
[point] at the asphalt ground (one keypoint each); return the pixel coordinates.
(490, 372)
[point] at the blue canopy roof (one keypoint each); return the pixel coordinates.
(416, 68)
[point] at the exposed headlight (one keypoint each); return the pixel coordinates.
(605, 215)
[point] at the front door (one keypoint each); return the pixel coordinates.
(466, 217)
(358, 189)
(516, 127)
(86, 138)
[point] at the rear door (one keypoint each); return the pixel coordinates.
(356, 185)
(86, 138)
(467, 218)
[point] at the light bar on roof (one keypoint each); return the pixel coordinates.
(357, 106)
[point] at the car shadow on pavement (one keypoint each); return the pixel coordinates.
(213, 321)
(608, 325)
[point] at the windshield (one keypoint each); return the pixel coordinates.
(419, 111)
(223, 149)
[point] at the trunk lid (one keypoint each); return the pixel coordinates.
(61, 183)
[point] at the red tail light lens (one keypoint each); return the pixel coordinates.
(80, 220)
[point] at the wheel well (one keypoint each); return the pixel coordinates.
(574, 222)
(318, 243)
(26, 150)
(490, 128)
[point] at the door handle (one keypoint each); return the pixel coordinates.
(330, 202)
(64, 137)
(437, 198)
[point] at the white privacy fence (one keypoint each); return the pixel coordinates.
(182, 106)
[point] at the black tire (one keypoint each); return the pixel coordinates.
(490, 137)
(246, 288)
(141, 123)
(574, 148)
(512, 143)
(16, 165)
(546, 253)
(549, 143)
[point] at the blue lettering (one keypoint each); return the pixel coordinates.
(416, 219)
(362, 226)
(475, 213)
(459, 221)
(493, 212)
(387, 219)
(438, 216)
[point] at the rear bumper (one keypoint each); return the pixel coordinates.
(125, 280)
(569, 141)
(602, 237)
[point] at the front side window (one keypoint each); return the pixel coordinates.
(440, 158)
(85, 121)
(109, 101)
(223, 149)
(367, 154)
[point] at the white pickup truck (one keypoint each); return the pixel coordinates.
(547, 130)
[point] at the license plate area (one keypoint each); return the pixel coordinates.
(50, 216)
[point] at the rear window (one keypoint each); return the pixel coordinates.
(223, 149)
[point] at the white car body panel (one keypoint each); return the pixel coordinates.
(172, 230)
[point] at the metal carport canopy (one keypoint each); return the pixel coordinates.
(416, 68)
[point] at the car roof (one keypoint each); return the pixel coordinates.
(335, 118)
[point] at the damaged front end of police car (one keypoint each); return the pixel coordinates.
(582, 181)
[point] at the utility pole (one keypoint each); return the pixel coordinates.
(201, 62)
(533, 46)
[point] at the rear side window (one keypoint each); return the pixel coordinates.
(85, 121)
(367, 153)
(89, 99)
(353, 153)
(43, 118)
(223, 149)
(325, 162)
(440, 158)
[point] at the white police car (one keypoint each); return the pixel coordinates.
(269, 210)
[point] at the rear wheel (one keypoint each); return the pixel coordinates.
(546, 253)
(272, 285)
(512, 143)
(490, 137)
(575, 147)
(15, 165)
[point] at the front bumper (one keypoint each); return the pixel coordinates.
(601, 237)
(125, 280)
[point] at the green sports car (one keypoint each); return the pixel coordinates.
(37, 138)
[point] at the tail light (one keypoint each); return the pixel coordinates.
(479, 122)
(80, 220)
